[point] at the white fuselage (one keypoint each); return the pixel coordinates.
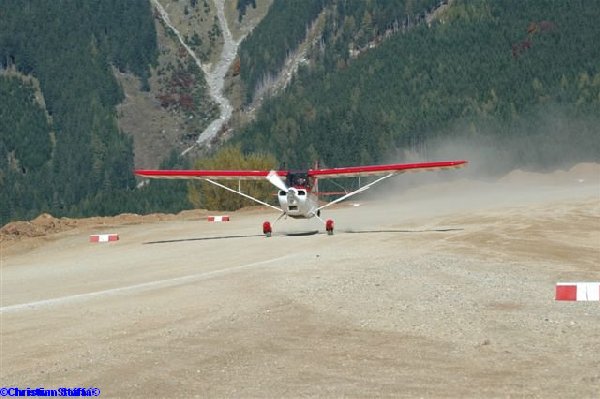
(298, 203)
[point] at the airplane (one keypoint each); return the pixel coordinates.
(298, 189)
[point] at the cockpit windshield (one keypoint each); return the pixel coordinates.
(297, 179)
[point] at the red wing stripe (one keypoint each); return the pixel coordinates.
(372, 170)
(208, 174)
(352, 171)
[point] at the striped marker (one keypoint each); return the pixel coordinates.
(578, 291)
(104, 237)
(218, 218)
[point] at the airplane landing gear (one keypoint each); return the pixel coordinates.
(329, 227)
(267, 229)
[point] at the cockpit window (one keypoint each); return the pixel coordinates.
(297, 179)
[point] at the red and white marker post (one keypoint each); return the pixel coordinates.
(578, 291)
(224, 218)
(104, 237)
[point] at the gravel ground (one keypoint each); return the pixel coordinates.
(446, 290)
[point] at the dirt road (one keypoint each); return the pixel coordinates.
(445, 291)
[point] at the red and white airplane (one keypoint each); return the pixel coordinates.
(298, 190)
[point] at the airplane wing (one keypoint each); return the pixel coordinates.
(211, 175)
(379, 170)
(385, 171)
(352, 171)
(208, 174)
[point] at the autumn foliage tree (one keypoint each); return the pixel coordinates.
(206, 195)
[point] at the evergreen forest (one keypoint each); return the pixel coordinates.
(517, 79)
(383, 79)
(60, 149)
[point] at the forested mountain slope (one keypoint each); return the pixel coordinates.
(74, 157)
(522, 77)
(517, 79)
(348, 25)
(65, 146)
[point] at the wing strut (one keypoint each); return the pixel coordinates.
(242, 194)
(360, 190)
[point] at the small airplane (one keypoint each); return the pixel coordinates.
(298, 190)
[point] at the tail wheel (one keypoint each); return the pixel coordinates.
(267, 229)
(329, 227)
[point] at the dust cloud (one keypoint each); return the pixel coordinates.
(558, 159)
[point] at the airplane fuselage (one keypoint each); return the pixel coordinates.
(300, 200)
(298, 203)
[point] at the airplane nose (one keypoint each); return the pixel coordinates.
(292, 196)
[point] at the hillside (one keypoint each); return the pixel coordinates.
(520, 80)
(109, 86)
(81, 106)
(66, 153)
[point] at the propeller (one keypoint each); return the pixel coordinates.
(276, 180)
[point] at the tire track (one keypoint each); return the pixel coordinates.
(132, 289)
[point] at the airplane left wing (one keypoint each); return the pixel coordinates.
(211, 175)
(208, 174)
(379, 170)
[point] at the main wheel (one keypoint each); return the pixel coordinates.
(267, 229)
(329, 227)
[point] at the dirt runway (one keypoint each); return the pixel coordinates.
(445, 290)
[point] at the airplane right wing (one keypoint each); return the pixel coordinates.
(379, 170)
